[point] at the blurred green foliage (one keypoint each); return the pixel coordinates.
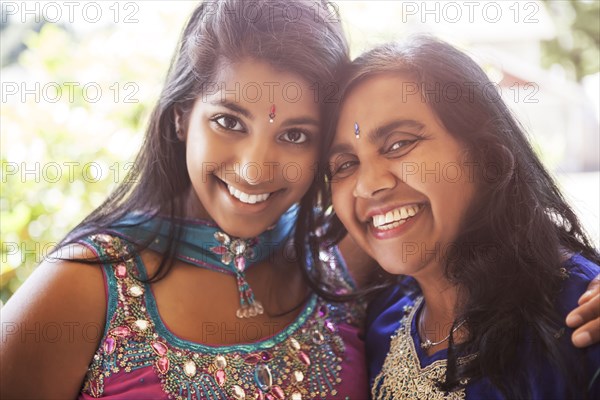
(65, 150)
(577, 48)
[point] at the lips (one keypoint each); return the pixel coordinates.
(396, 217)
(247, 197)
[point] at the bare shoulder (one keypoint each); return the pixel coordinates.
(51, 328)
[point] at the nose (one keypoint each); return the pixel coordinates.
(372, 179)
(257, 162)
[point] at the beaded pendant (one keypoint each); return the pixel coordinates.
(237, 251)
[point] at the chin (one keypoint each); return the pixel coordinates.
(247, 227)
(395, 264)
(243, 230)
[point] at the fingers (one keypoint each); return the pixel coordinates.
(592, 289)
(585, 312)
(586, 318)
(587, 335)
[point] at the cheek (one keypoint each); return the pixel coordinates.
(196, 146)
(302, 185)
(197, 163)
(449, 192)
(205, 154)
(299, 170)
(335, 200)
(343, 203)
(457, 184)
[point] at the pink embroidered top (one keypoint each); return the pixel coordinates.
(319, 355)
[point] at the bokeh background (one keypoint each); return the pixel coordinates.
(79, 80)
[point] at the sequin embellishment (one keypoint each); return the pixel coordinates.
(402, 377)
(304, 365)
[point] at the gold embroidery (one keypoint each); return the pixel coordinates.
(402, 377)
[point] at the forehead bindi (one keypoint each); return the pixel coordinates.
(382, 99)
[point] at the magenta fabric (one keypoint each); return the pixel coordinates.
(324, 343)
(144, 384)
(354, 383)
(140, 384)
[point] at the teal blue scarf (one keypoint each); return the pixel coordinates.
(203, 244)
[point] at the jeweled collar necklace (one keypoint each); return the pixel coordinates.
(203, 244)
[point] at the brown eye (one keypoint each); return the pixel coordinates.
(294, 136)
(342, 166)
(229, 123)
(343, 169)
(401, 147)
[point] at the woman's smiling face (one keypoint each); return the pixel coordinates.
(251, 146)
(403, 186)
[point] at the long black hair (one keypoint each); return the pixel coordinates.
(508, 256)
(300, 36)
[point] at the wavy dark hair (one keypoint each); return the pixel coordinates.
(520, 212)
(295, 36)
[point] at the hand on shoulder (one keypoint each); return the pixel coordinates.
(586, 317)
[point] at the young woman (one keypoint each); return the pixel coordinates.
(199, 295)
(434, 178)
(225, 171)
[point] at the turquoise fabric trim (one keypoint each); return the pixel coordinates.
(111, 281)
(198, 245)
(176, 341)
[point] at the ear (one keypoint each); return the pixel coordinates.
(179, 122)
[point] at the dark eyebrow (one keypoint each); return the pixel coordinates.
(233, 107)
(241, 110)
(378, 133)
(339, 148)
(301, 121)
(382, 131)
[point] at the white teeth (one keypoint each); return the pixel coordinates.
(247, 198)
(389, 217)
(392, 225)
(395, 218)
(403, 213)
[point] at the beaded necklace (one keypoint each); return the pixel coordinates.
(203, 244)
